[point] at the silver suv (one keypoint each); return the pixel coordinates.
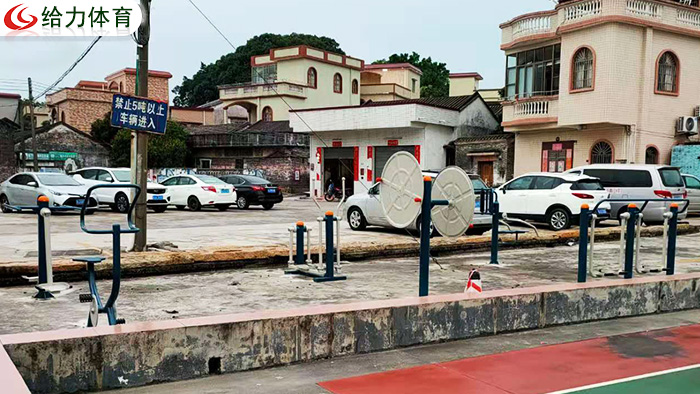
(638, 181)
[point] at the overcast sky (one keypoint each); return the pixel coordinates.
(462, 33)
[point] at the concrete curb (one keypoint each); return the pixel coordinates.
(110, 357)
(162, 262)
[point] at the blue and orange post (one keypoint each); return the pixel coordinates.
(426, 207)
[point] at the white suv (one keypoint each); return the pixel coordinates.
(119, 199)
(552, 198)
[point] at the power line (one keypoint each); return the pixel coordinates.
(272, 86)
(80, 58)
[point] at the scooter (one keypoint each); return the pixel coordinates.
(331, 196)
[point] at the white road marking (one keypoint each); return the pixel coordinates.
(624, 380)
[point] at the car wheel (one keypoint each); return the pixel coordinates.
(121, 202)
(222, 207)
(558, 219)
(242, 202)
(267, 206)
(180, 207)
(356, 219)
(4, 204)
(477, 231)
(193, 204)
(161, 209)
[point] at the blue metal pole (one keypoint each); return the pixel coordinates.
(116, 274)
(424, 269)
(584, 221)
(495, 219)
(42, 202)
(299, 258)
(330, 257)
(672, 233)
(629, 246)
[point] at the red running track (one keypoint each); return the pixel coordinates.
(540, 370)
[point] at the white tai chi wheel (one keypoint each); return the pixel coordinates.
(401, 189)
(453, 185)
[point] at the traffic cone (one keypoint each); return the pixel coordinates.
(474, 282)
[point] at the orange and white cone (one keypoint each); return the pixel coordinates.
(474, 282)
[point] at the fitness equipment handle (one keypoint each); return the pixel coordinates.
(132, 227)
(646, 202)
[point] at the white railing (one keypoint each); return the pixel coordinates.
(532, 108)
(583, 10)
(532, 25)
(687, 17)
(644, 8)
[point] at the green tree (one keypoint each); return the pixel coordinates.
(435, 81)
(235, 67)
(164, 151)
(103, 130)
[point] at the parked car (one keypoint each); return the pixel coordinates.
(638, 181)
(692, 186)
(365, 209)
(62, 190)
(551, 198)
(252, 190)
(120, 199)
(197, 191)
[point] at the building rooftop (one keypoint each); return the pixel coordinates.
(132, 71)
(467, 75)
(391, 66)
(276, 126)
(232, 127)
(10, 95)
(456, 103)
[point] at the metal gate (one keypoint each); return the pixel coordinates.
(383, 153)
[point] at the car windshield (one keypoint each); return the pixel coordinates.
(122, 175)
(253, 180)
(478, 184)
(210, 180)
(57, 180)
(671, 177)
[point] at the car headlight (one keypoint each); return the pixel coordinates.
(55, 193)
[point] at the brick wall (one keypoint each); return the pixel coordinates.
(7, 156)
(502, 162)
(278, 165)
(63, 139)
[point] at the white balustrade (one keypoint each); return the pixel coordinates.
(583, 10)
(530, 108)
(534, 25)
(644, 8)
(688, 17)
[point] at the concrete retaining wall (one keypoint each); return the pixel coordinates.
(144, 353)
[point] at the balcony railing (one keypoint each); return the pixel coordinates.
(545, 109)
(533, 25)
(243, 139)
(387, 89)
(644, 8)
(679, 14)
(583, 10)
(532, 108)
(261, 90)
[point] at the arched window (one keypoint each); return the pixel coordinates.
(312, 78)
(337, 83)
(267, 114)
(113, 86)
(667, 73)
(651, 155)
(583, 69)
(601, 153)
(355, 87)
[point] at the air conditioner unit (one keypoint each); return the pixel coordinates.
(687, 125)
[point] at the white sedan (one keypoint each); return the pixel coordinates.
(197, 191)
(118, 199)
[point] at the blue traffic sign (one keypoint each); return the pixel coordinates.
(136, 113)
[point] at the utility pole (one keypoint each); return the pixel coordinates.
(139, 146)
(31, 121)
(22, 147)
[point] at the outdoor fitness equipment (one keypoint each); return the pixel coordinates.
(323, 272)
(403, 200)
(46, 287)
(630, 237)
(96, 306)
